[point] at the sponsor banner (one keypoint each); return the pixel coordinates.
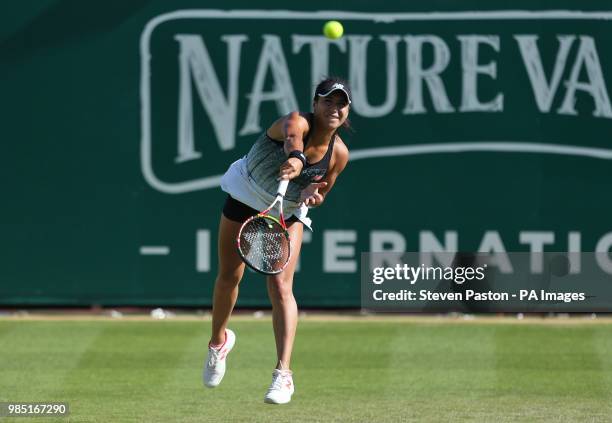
(474, 130)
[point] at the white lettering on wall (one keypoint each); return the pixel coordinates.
(195, 63)
(602, 250)
(471, 69)
(428, 243)
(543, 90)
(492, 244)
(536, 241)
(392, 243)
(358, 65)
(339, 251)
(272, 60)
(596, 87)
(417, 74)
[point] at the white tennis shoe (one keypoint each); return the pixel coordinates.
(214, 368)
(281, 388)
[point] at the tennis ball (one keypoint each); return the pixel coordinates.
(333, 29)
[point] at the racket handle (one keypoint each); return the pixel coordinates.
(282, 187)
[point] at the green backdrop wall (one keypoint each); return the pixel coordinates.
(474, 129)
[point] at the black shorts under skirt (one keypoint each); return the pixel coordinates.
(239, 212)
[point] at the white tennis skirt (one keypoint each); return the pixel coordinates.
(237, 183)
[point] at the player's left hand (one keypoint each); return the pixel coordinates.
(311, 196)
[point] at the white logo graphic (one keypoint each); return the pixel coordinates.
(221, 104)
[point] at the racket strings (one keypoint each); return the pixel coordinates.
(265, 245)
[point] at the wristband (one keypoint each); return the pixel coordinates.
(298, 155)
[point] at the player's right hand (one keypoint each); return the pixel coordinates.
(290, 169)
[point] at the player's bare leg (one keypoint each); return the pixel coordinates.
(231, 269)
(284, 307)
(284, 320)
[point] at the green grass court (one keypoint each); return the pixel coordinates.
(386, 370)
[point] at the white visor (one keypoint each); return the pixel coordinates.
(337, 87)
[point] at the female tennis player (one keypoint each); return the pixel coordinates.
(304, 148)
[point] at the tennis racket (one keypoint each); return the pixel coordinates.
(263, 240)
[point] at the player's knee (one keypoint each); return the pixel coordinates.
(281, 287)
(229, 279)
